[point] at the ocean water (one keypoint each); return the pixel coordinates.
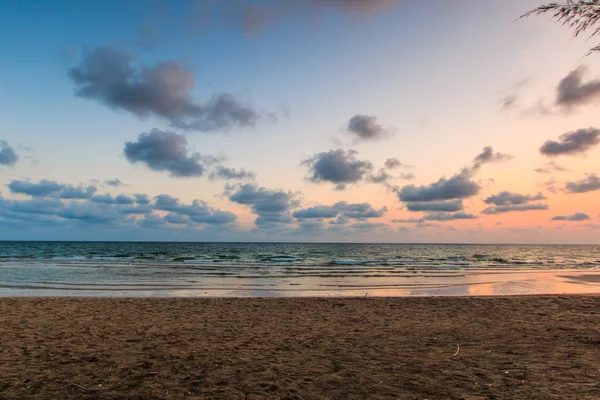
(292, 269)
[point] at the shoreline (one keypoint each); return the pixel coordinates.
(518, 347)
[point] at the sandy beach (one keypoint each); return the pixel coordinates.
(530, 347)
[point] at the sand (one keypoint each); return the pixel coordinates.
(380, 348)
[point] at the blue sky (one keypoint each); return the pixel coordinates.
(434, 83)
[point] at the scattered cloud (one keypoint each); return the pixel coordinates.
(573, 217)
(114, 182)
(221, 172)
(572, 91)
(392, 163)
(445, 216)
(459, 186)
(165, 90)
(365, 127)
(272, 207)
(435, 206)
(507, 198)
(510, 208)
(488, 156)
(168, 151)
(550, 167)
(338, 167)
(46, 187)
(590, 183)
(572, 143)
(7, 154)
(505, 201)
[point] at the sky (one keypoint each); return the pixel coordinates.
(438, 121)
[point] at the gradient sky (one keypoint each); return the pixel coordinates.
(254, 109)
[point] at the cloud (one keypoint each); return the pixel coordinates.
(572, 143)
(338, 167)
(43, 188)
(198, 211)
(141, 198)
(168, 151)
(365, 127)
(505, 201)
(165, 90)
(457, 187)
(510, 208)
(488, 156)
(438, 206)
(509, 102)
(445, 216)
(392, 163)
(507, 198)
(573, 217)
(7, 154)
(221, 172)
(571, 90)
(316, 212)
(114, 182)
(272, 207)
(589, 183)
(380, 177)
(359, 210)
(550, 167)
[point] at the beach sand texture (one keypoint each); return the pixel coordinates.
(531, 347)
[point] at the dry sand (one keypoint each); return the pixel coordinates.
(381, 348)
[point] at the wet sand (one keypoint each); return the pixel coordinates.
(530, 347)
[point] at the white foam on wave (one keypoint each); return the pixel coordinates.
(72, 258)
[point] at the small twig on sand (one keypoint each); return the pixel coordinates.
(457, 351)
(366, 294)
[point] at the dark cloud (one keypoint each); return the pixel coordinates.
(573, 217)
(165, 90)
(114, 182)
(7, 154)
(165, 151)
(392, 163)
(550, 167)
(571, 90)
(488, 156)
(459, 186)
(445, 216)
(198, 211)
(319, 212)
(40, 189)
(572, 143)
(365, 225)
(343, 210)
(272, 207)
(168, 151)
(590, 183)
(365, 127)
(221, 172)
(104, 209)
(507, 198)
(338, 167)
(77, 192)
(380, 177)
(436, 206)
(510, 208)
(141, 198)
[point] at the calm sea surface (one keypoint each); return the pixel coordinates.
(272, 269)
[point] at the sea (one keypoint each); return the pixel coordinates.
(151, 269)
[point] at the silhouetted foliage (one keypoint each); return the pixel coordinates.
(579, 15)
